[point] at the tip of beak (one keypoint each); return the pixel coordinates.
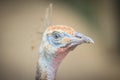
(92, 41)
(89, 40)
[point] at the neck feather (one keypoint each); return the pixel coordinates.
(48, 64)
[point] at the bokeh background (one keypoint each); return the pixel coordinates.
(22, 21)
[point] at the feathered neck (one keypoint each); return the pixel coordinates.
(49, 61)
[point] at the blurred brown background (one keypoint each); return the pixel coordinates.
(21, 20)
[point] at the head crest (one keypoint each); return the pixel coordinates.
(47, 21)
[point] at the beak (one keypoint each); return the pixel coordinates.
(80, 38)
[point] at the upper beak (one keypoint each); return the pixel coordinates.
(83, 39)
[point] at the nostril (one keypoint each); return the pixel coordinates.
(79, 37)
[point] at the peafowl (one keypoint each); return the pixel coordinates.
(57, 42)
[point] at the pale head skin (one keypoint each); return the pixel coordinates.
(56, 43)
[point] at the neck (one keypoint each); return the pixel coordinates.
(48, 64)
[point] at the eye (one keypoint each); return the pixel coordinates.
(56, 35)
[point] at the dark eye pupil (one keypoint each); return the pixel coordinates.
(56, 36)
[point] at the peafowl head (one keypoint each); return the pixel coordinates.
(58, 40)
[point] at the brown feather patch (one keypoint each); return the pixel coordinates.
(68, 30)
